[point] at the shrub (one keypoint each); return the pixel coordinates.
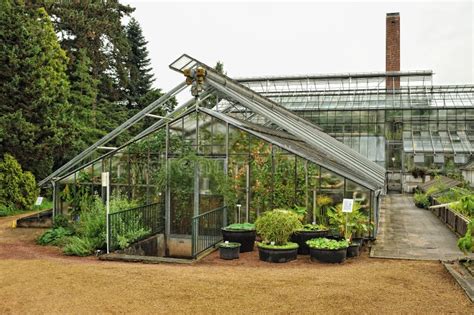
(466, 243)
(55, 236)
(17, 188)
(277, 226)
(325, 243)
(421, 200)
(80, 246)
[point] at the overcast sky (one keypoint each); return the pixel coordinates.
(287, 38)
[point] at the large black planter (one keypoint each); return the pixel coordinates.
(328, 255)
(246, 238)
(301, 237)
(353, 250)
(277, 255)
(229, 252)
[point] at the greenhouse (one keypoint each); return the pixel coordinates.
(226, 155)
(416, 124)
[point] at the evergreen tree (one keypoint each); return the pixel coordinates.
(83, 121)
(33, 87)
(140, 77)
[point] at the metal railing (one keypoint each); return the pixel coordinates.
(133, 225)
(206, 229)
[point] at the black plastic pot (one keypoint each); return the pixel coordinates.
(301, 237)
(229, 253)
(328, 255)
(353, 250)
(246, 238)
(358, 240)
(277, 255)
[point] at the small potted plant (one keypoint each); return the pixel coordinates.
(347, 224)
(275, 228)
(307, 232)
(327, 250)
(242, 233)
(229, 250)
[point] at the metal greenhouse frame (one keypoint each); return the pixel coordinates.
(271, 157)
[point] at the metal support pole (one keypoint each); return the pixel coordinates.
(167, 193)
(55, 202)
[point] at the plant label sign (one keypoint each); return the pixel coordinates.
(39, 201)
(105, 179)
(347, 205)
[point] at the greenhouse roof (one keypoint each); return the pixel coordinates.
(304, 138)
(437, 142)
(418, 97)
(292, 144)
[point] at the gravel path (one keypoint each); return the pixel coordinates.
(35, 279)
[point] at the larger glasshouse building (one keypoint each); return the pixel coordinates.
(242, 146)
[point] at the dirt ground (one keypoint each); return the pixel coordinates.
(40, 280)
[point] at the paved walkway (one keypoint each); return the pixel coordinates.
(407, 232)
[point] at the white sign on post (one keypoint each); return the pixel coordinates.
(105, 179)
(347, 205)
(39, 201)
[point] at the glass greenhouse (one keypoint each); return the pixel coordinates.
(226, 155)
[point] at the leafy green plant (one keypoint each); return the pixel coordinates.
(80, 246)
(466, 243)
(300, 212)
(349, 223)
(421, 200)
(229, 245)
(56, 236)
(61, 220)
(276, 226)
(322, 204)
(325, 243)
(288, 245)
(314, 227)
(241, 227)
(467, 205)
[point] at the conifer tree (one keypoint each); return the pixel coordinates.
(140, 72)
(33, 87)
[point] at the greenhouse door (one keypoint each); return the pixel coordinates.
(394, 166)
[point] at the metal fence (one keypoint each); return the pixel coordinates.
(133, 225)
(206, 229)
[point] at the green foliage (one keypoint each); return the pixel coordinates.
(61, 220)
(349, 223)
(80, 246)
(91, 228)
(241, 227)
(322, 204)
(466, 243)
(229, 245)
(34, 87)
(300, 212)
(140, 72)
(421, 200)
(467, 205)
(287, 245)
(452, 195)
(277, 226)
(17, 188)
(325, 243)
(56, 236)
(314, 227)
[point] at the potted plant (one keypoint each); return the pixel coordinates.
(229, 250)
(307, 232)
(242, 233)
(347, 224)
(275, 228)
(327, 250)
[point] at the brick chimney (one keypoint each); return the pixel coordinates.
(392, 54)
